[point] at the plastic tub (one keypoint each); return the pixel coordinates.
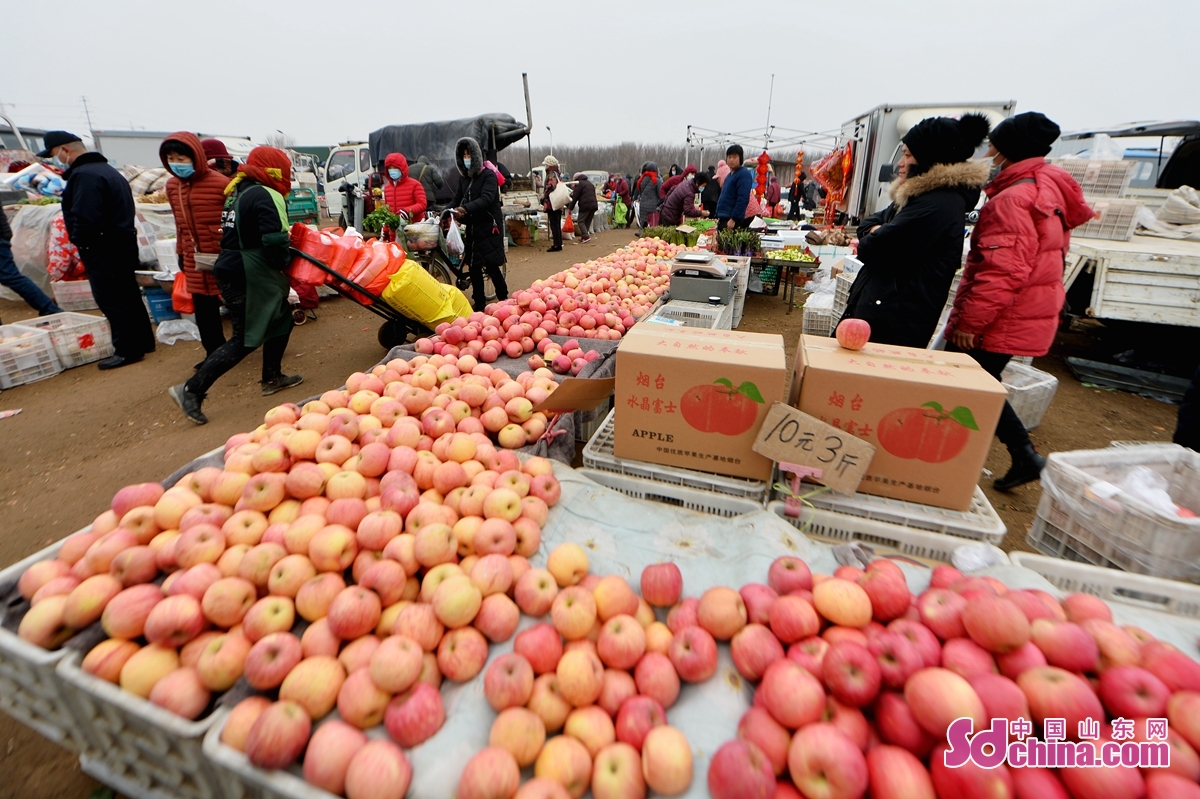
(77, 338)
(1030, 392)
(160, 305)
(73, 295)
(693, 314)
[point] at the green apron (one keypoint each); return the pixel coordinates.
(267, 311)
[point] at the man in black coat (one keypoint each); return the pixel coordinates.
(477, 203)
(584, 195)
(98, 212)
(911, 250)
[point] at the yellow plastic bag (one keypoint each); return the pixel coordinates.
(415, 293)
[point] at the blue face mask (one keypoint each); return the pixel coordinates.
(394, 174)
(466, 163)
(58, 163)
(182, 170)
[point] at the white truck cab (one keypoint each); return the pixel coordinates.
(349, 162)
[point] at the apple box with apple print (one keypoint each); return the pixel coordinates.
(930, 414)
(696, 398)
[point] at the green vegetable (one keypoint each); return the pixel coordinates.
(790, 255)
(738, 242)
(672, 236)
(382, 215)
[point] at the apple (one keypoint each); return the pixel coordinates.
(566, 761)
(721, 612)
(823, 761)
(357, 654)
(895, 772)
(851, 673)
(330, 750)
(792, 618)
(887, 590)
(791, 694)
(548, 703)
(1013, 663)
(508, 682)
(1177, 671)
(636, 717)
(667, 761)
(223, 660)
(898, 726)
(146, 667)
(1161, 785)
(580, 677)
(137, 495)
(964, 656)
(1081, 607)
(521, 732)
(541, 646)
(1133, 692)
(593, 727)
(853, 334)
(492, 773)
(333, 548)
(498, 618)
(614, 597)
(314, 684)
(740, 769)
(1056, 693)
(535, 592)
(182, 693)
(126, 613)
(173, 621)
(241, 719)
(683, 614)
(546, 488)
(842, 602)
(354, 612)
(268, 615)
(360, 702)
(1117, 646)
(754, 649)
(106, 658)
(462, 654)
(270, 660)
(573, 612)
(420, 623)
(995, 623)
(317, 594)
(1065, 644)
(941, 611)
(278, 736)
(938, 696)
(788, 574)
(378, 770)
(568, 563)
(617, 773)
(897, 657)
(622, 642)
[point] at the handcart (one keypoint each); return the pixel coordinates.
(396, 327)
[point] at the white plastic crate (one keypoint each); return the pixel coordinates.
(979, 523)
(598, 454)
(818, 321)
(142, 750)
(584, 430)
(1153, 593)
(1099, 178)
(840, 527)
(1116, 221)
(30, 689)
(686, 498)
(77, 338)
(1030, 392)
(694, 314)
(841, 292)
(26, 356)
(73, 295)
(1083, 517)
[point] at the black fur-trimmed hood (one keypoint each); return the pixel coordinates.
(965, 175)
(466, 143)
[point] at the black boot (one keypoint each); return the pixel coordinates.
(1027, 466)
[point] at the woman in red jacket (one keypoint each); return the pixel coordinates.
(197, 196)
(1012, 292)
(402, 193)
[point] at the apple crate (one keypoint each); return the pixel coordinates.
(979, 523)
(26, 356)
(679, 496)
(693, 314)
(77, 338)
(818, 321)
(598, 455)
(1150, 593)
(1030, 392)
(1084, 516)
(841, 293)
(832, 526)
(30, 689)
(73, 295)
(137, 748)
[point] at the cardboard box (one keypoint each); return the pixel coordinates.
(917, 407)
(696, 398)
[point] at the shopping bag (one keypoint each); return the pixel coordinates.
(568, 223)
(181, 297)
(620, 213)
(454, 240)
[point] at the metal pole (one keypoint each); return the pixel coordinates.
(770, 98)
(551, 139)
(16, 131)
(528, 126)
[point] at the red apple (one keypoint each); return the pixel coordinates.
(791, 695)
(740, 770)
(661, 584)
(853, 334)
(851, 674)
(278, 736)
(788, 574)
(824, 762)
(896, 772)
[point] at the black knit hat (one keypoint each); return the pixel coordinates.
(1027, 135)
(942, 140)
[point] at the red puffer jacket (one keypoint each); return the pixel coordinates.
(1012, 291)
(196, 204)
(406, 194)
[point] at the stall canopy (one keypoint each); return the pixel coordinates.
(436, 140)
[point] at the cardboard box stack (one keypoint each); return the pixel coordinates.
(930, 414)
(696, 398)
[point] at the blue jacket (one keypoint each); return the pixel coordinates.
(735, 194)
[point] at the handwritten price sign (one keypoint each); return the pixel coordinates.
(794, 437)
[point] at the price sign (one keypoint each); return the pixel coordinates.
(791, 436)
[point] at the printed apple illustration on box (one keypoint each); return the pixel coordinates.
(721, 408)
(928, 433)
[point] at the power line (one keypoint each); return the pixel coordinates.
(87, 113)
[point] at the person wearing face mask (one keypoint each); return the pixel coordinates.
(477, 203)
(911, 250)
(402, 194)
(196, 194)
(1011, 292)
(98, 212)
(218, 157)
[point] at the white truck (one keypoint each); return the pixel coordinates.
(876, 137)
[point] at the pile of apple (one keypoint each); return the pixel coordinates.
(486, 338)
(583, 699)
(857, 682)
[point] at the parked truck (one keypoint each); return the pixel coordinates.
(875, 137)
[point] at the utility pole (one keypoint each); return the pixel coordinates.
(88, 114)
(770, 98)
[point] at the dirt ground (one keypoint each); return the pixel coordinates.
(85, 433)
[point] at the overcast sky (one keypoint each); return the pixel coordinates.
(599, 72)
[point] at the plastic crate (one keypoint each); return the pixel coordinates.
(1116, 221)
(30, 689)
(840, 527)
(679, 496)
(598, 454)
(141, 750)
(766, 276)
(742, 265)
(739, 310)
(1083, 517)
(1099, 178)
(73, 295)
(818, 321)
(694, 314)
(1030, 392)
(980, 523)
(841, 292)
(77, 338)
(241, 779)
(160, 305)
(27, 358)
(1152, 593)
